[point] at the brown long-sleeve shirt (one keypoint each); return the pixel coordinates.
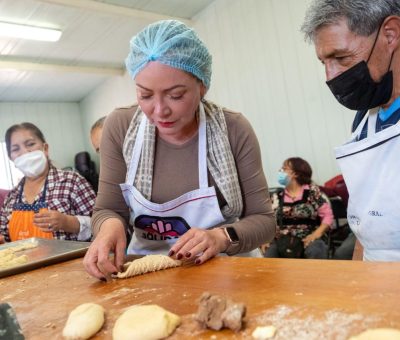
(257, 224)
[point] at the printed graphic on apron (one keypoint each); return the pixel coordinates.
(160, 228)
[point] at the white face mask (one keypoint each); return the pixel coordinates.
(32, 164)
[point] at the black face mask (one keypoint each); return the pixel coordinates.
(356, 90)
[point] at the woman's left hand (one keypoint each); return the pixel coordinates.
(50, 220)
(200, 245)
(311, 238)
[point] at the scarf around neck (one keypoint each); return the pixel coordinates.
(220, 160)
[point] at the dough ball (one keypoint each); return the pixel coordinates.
(145, 322)
(84, 321)
(378, 333)
(262, 333)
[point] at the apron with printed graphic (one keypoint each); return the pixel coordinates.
(21, 224)
(371, 169)
(156, 227)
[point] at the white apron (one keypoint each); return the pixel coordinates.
(156, 227)
(371, 169)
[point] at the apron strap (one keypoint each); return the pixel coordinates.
(42, 198)
(202, 154)
(137, 151)
(371, 124)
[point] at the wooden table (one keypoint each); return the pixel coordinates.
(310, 299)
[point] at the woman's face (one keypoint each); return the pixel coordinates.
(286, 167)
(23, 141)
(169, 97)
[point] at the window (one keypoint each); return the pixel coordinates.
(9, 174)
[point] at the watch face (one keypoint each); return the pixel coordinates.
(232, 234)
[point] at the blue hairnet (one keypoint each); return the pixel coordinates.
(172, 43)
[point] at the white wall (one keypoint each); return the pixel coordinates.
(115, 92)
(263, 68)
(60, 123)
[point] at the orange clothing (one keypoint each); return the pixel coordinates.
(21, 225)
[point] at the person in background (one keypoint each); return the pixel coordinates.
(303, 213)
(191, 172)
(47, 202)
(358, 42)
(96, 132)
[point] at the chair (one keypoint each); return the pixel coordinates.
(86, 167)
(341, 229)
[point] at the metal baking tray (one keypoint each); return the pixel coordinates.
(47, 252)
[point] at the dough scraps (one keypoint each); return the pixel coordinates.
(147, 264)
(217, 312)
(84, 321)
(8, 258)
(145, 322)
(378, 333)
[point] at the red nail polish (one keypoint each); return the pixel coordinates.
(179, 256)
(197, 261)
(171, 253)
(188, 254)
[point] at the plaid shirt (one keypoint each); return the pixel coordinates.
(67, 191)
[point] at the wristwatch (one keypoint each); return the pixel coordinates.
(232, 235)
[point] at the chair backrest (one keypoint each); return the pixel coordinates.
(3, 195)
(339, 210)
(86, 167)
(336, 186)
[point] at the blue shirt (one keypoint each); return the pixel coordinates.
(385, 118)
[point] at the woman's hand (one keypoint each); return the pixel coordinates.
(200, 245)
(2, 239)
(53, 220)
(315, 235)
(111, 238)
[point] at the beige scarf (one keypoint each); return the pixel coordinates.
(220, 161)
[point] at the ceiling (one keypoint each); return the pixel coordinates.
(92, 48)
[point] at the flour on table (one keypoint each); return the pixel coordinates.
(84, 321)
(378, 333)
(145, 322)
(147, 264)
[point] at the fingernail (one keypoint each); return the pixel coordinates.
(188, 254)
(103, 279)
(115, 273)
(198, 261)
(171, 253)
(179, 256)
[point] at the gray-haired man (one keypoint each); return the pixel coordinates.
(358, 41)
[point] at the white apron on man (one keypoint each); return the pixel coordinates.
(371, 169)
(157, 226)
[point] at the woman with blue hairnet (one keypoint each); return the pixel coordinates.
(179, 175)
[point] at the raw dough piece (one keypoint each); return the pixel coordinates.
(145, 322)
(24, 246)
(217, 312)
(149, 263)
(84, 321)
(266, 332)
(378, 333)
(12, 261)
(8, 258)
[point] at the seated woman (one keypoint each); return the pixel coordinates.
(47, 202)
(303, 213)
(191, 171)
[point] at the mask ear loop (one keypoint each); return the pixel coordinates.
(376, 39)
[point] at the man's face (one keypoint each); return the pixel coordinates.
(339, 49)
(95, 137)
